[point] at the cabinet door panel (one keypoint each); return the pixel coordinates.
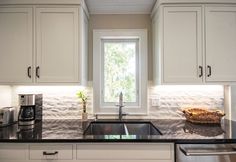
(13, 152)
(221, 43)
(182, 48)
(57, 44)
(15, 44)
(125, 152)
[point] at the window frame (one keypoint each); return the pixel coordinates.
(119, 34)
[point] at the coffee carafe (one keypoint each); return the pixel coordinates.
(30, 109)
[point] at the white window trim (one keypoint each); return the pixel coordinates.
(98, 35)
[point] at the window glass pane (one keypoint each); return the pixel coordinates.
(120, 70)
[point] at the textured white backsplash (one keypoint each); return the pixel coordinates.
(62, 103)
(59, 102)
(171, 99)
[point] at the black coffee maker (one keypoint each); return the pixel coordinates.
(30, 109)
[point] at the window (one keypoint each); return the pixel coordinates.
(119, 71)
(120, 60)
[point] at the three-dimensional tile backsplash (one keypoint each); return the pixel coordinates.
(60, 102)
(171, 99)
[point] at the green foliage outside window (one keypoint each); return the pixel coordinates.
(119, 70)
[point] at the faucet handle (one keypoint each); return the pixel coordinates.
(125, 114)
(96, 116)
(119, 105)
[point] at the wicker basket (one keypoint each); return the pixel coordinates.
(202, 115)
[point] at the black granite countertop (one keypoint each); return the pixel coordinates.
(178, 131)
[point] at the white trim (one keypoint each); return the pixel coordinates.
(141, 34)
(191, 2)
(35, 2)
(48, 2)
(126, 12)
(85, 8)
(228, 102)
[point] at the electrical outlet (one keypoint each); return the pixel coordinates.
(155, 102)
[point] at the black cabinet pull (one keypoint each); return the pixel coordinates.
(37, 71)
(209, 71)
(50, 153)
(201, 71)
(29, 72)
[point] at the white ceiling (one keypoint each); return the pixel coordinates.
(120, 6)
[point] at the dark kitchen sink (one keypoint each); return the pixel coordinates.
(121, 128)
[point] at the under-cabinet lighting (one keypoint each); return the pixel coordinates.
(47, 89)
(188, 88)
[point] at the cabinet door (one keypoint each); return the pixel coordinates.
(145, 152)
(221, 44)
(182, 48)
(57, 45)
(15, 45)
(13, 152)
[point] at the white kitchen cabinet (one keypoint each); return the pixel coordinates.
(182, 50)
(57, 45)
(43, 44)
(142, 152)
(196, 44)
(87, 152)
(13, 152)
(16, 42)
(220, 43)
(37, 152)
(61, 45)
(180, 45)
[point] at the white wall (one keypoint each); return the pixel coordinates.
(5, 96)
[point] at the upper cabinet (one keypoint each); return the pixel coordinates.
(182, 50)
(57, 45)
(45, 48)
(16, 44)
(195, 44)
(220, 43)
